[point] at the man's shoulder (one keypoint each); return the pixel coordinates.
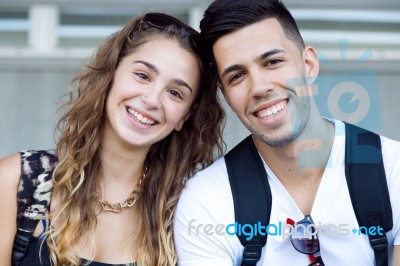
(391, 156)
(390, 144)
(215, 174)
(207, 188)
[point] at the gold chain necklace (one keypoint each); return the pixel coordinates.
(129, 202)
(118, 207)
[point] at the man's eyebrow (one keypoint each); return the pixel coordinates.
(258, 59)
(230, 69)
(149, 65)
(269, 53)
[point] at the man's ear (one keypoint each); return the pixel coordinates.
(311, 63)
(179, 126)
(221, 88)
(219, 84)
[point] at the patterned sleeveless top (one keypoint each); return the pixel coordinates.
(34, 194)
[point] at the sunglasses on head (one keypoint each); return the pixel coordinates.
(161, 21)
(305, 240)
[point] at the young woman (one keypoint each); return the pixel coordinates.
(141, 119)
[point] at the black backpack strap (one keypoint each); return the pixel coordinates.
(34, 193)
(251, 195)
(368, 188)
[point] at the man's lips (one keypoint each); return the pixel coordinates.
(271, 110)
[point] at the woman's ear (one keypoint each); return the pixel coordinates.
(179, 126)
(311, 64)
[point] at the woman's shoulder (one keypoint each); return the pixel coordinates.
(10, 171)
(13, 166)
(33, 161)
(37, 168)
(19, 175)
(41, 156)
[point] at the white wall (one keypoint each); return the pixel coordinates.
(34, 72)
(29, 100)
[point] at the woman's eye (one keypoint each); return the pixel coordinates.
(175, 93)
(143, 76)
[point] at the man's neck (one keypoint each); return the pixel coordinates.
(304, 158)
(300, 165)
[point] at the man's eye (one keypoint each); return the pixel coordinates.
(235, 77)
(273, 62)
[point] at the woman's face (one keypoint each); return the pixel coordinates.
(152, 93)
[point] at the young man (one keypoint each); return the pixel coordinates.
(266, 74)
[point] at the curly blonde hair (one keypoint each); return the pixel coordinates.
(169, 162)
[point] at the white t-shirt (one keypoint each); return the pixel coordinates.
(205, 210)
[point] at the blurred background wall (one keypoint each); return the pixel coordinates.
(44, 43)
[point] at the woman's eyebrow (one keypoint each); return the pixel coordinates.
(153, 68)
(182, 83)
(149, 65)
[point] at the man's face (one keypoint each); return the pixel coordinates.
(263, 76)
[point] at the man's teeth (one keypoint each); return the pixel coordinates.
(272, 110)
(140, 118)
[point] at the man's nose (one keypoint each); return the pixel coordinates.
(260, 84)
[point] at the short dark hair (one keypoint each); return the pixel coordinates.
(225, 16)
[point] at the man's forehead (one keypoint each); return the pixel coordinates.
(249, 42)
(262, 27)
